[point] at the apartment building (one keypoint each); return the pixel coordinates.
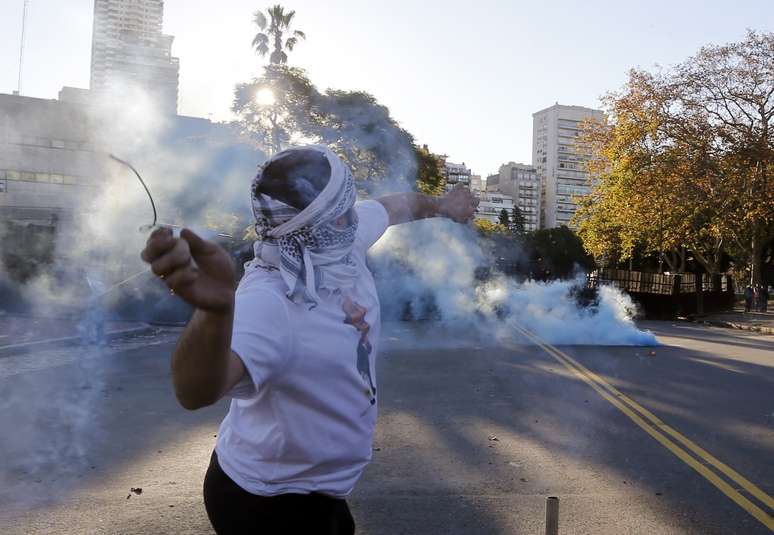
(456, 173)
(491, 205)
(560, 160)
(129, 48)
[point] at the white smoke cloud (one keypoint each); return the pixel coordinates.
(431, 269)
(193, 169)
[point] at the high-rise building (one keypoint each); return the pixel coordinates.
(128, 48)
(560, 160)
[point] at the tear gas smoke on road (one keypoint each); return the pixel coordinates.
(432, 270)
(190, 171)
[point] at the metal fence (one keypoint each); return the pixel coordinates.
(633, 281)
(657, 283)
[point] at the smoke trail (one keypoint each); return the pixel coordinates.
(197, 172)
(436, 269)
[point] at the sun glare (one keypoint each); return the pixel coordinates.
(264, 97)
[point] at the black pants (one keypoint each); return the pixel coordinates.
(234, 511)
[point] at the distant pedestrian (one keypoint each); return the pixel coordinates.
(765, 298)
(748, 298)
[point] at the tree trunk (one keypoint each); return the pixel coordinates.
(699, 292)
(756, 260)
(277, 53)
(275, 143)
(708, 264)
(670, 260)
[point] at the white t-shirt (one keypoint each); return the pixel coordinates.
(303, 420)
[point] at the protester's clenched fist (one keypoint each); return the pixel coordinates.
(199, 271)
(459, 204)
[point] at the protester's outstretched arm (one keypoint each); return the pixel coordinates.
(459, 205)
(203, 366)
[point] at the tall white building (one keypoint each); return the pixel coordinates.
(560, 160)
(128, 47)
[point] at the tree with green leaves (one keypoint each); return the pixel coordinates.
(273, 32)
(504, 219)
(556, 253)
(353, 123)
(288, 119)
(431, 178)
(517, 221)
(362, 131)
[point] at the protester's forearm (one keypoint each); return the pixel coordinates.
(200, 360)
(405, 207)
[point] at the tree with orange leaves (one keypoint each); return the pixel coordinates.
(686, 160)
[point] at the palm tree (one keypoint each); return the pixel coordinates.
(275, 31)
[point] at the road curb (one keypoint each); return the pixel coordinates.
(25, 347)
(740, 326)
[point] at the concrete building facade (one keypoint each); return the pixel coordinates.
(492, 183)
(521, 183)
(560, 161)
(456, 173)
(491, 204)
(54, 155)
(48, 164)
(128, 47)
(476, 185)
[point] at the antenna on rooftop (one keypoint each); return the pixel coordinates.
(21, 46)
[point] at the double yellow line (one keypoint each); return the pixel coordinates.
(701, 460)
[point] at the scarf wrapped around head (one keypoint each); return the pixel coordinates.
(308, 249)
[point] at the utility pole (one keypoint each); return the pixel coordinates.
(21, 47)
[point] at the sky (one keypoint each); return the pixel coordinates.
(464, 78)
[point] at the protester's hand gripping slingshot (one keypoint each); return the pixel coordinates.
(294, 347)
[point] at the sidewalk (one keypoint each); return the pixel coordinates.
(762, 322)
(20, 333)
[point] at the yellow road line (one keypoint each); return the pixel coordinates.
(620, 401)
(696, 449)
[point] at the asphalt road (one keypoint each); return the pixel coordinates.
(472, 437)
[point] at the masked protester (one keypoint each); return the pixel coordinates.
(294, 346)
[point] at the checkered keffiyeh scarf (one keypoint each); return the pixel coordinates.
(310, 252)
